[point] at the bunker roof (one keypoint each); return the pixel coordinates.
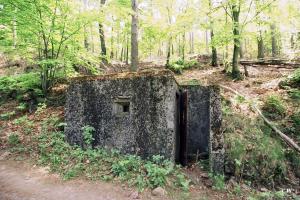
(127, 75)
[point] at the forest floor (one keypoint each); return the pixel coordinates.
(21, 179)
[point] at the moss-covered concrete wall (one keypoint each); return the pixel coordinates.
(137, 113)
(132, 112)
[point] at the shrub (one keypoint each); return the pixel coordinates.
(274, 107)
(254, 155)
(105, 164)
(13, 139)
(293, 80)
(180, 65)
(218, 182)
(16, 86)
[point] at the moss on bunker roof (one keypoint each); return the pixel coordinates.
(127, 75)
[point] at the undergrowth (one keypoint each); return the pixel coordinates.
(16, 86)
(274, 107)
(98, 163)
(292, 81)
(180, 65)
(252, 153)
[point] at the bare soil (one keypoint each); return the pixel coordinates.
(21, 181)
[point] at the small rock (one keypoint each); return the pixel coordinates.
(263, 189)
(134, 195)
(159, 191)
(204, 175)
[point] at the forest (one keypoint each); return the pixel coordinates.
(250, 49)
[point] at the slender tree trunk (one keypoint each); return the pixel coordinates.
(292, 42)
(214, 55)
(260, 47)
(169, 51)
(134, 37)
(236, 49)
(102, 43)
(85, 33)
(275, 46)
(112, 44)
(183, 46)
(102, 39)
(127, 51)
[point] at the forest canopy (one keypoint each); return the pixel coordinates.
(63, 34)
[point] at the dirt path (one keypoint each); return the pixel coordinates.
(18, 181)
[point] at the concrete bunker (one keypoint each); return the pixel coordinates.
(147, 113)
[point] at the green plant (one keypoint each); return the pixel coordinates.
(13, 139)
(218, 181)
(22, 107)
(99, 163)
(17, 86)
(293, 80)
(7, 115)
(88, 135)
(251, 152)
(180, 65)
(274, 107)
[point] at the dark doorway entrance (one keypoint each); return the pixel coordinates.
(182, 98)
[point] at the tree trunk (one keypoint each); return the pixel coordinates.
(169, 51)
(275, 46)
(102, 43)
(127, 50)
(134, 37)
(236, 49)
(260, 47)
(214, 55)
(102, 39)
(183, 46)
(112, 44)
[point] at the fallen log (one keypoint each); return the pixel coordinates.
(270, 62)
(283, 136)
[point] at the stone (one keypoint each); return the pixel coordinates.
(159, 191)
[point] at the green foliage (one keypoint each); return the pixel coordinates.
(252, 153)
(17, 86)
(295, 94)
(105, 164)
(88, 135)
(7, 115)
(13, 139)
(293, 80)
(25, 124)
(274, 107)
(180, 65)
(270, 195)
(218, 181)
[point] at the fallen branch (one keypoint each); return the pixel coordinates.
(286, 139)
